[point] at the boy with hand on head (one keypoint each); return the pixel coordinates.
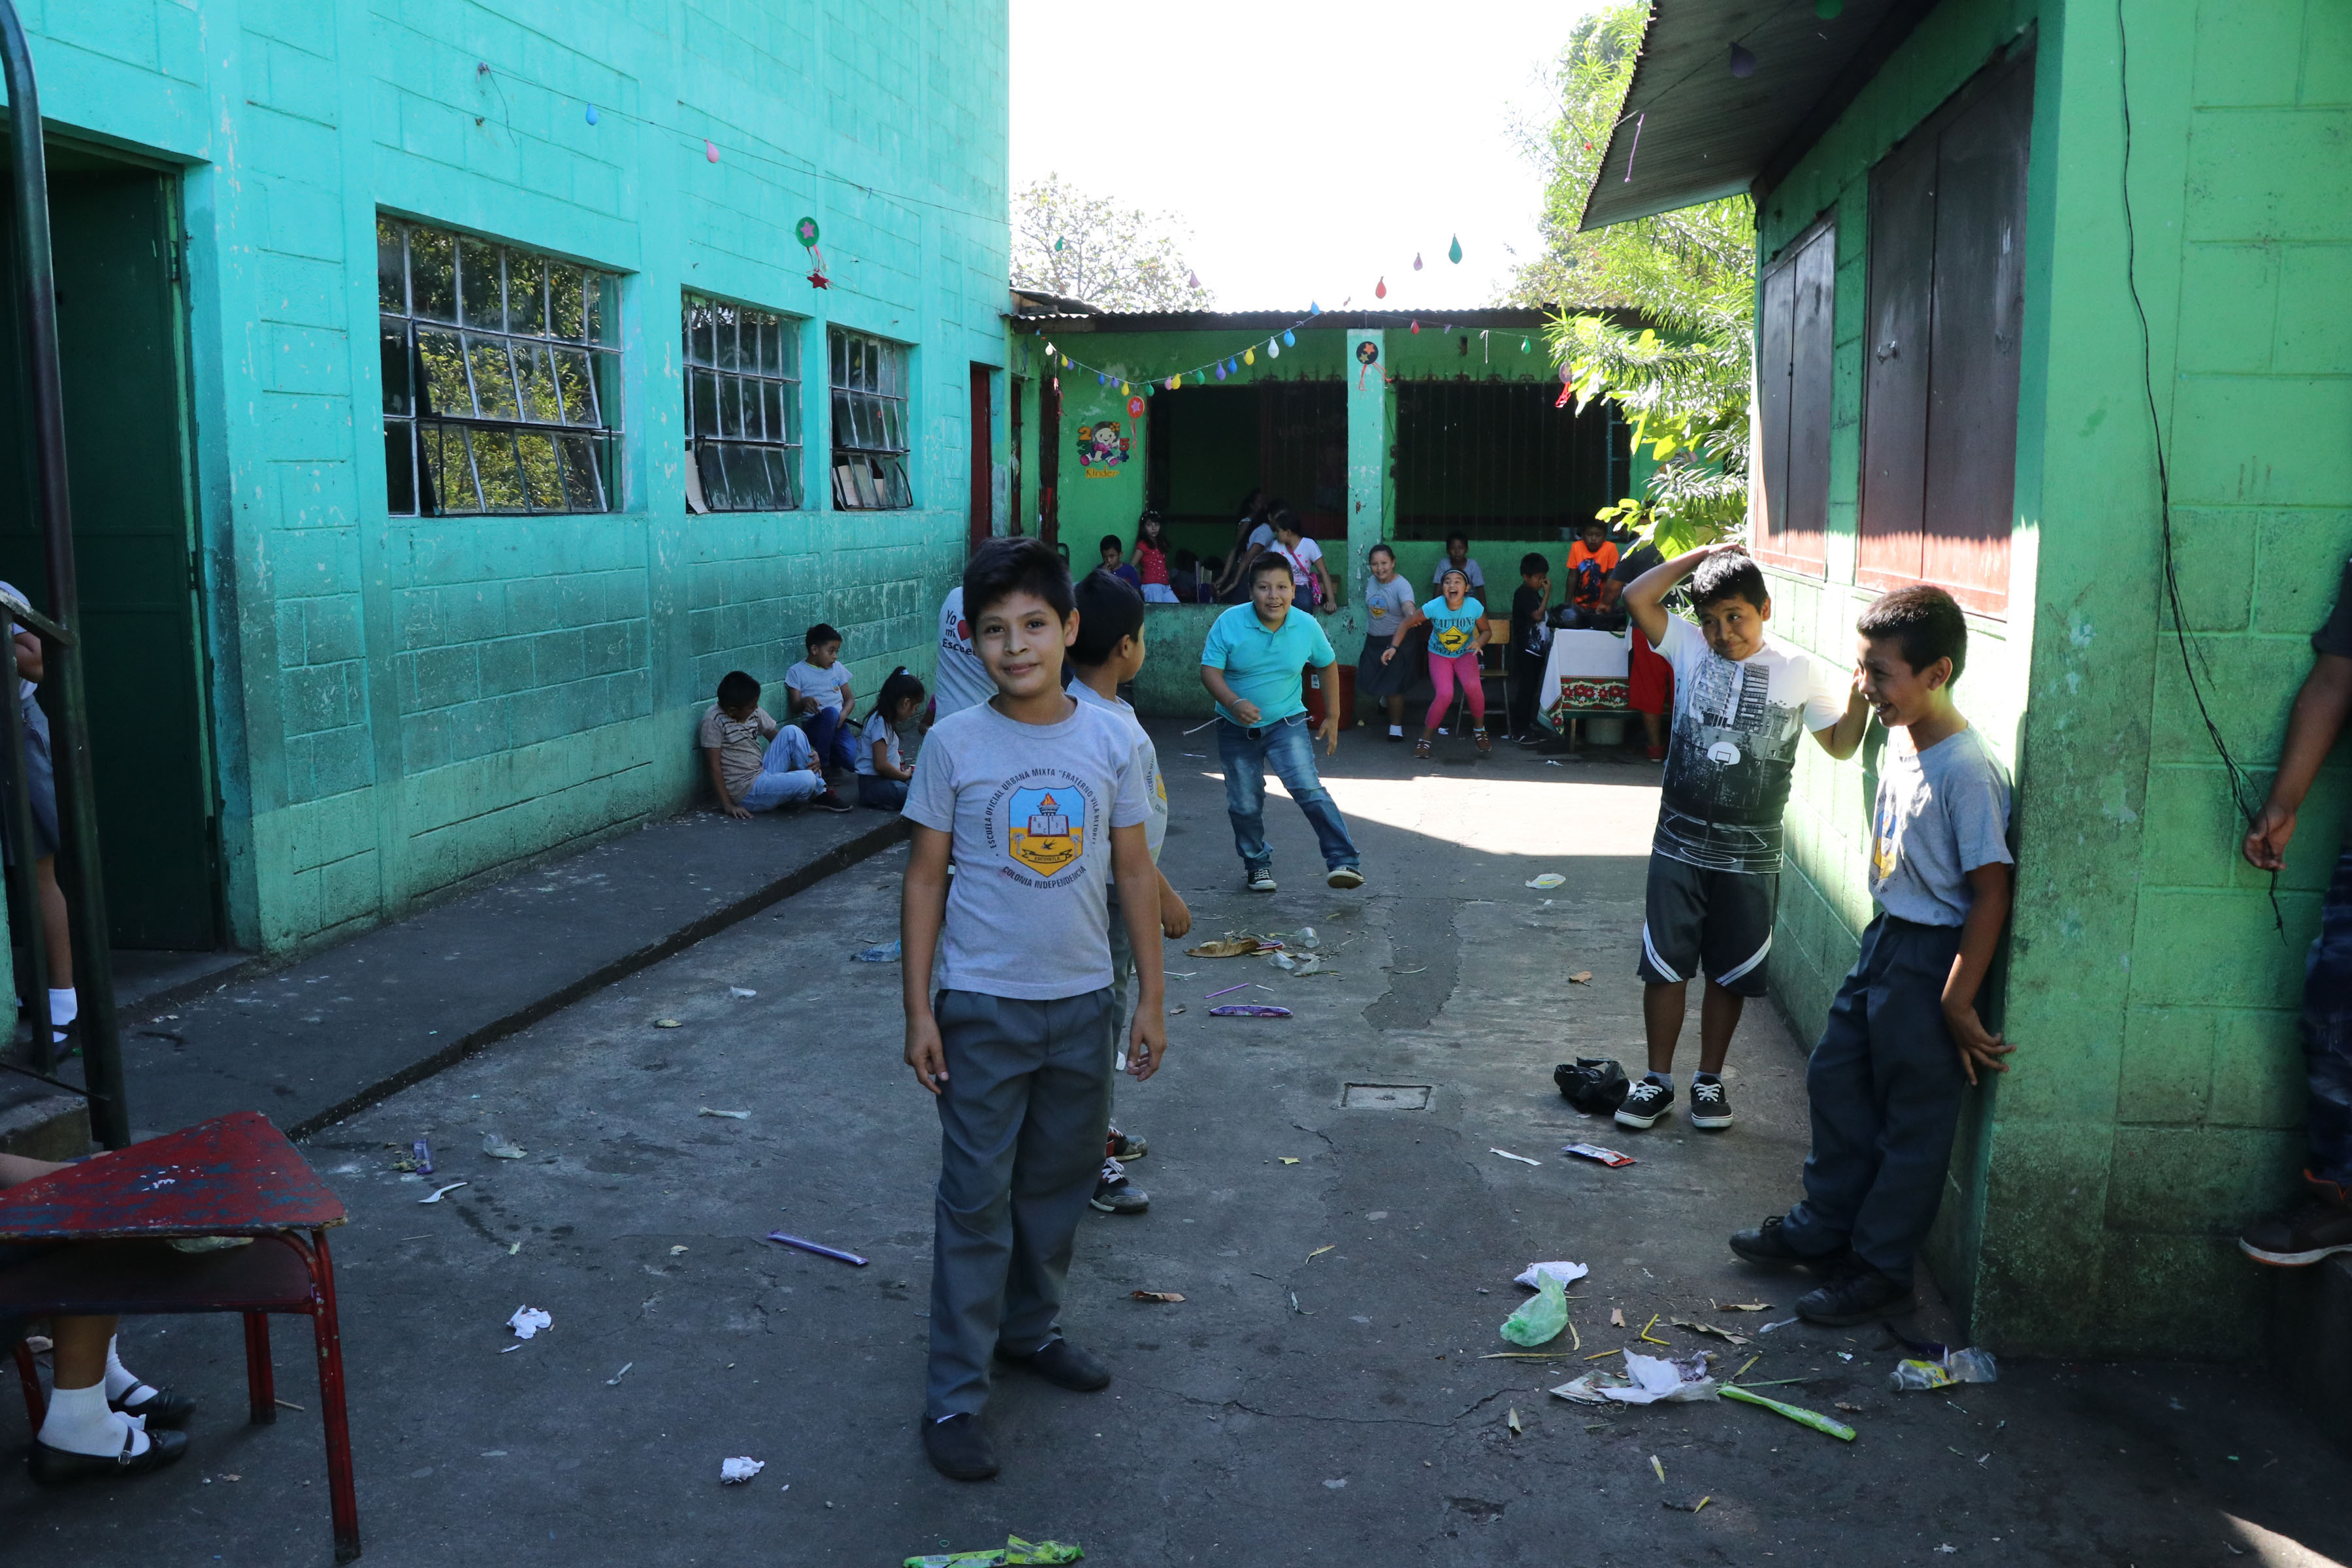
(1107, 654)
(822, 699)
(1114, 561)
(1530, 640)
(1036, 796)
(754, 762)
(1743, 701)
(1905, 1038)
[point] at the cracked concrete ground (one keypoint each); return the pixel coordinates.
(1319, 1396)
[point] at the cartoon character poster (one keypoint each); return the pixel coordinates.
(1049, 829)
(1103, 447)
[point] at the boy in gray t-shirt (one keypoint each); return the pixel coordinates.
(1904, 1039)
(1035, 798)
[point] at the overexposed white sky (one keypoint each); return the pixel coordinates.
(1311, 146)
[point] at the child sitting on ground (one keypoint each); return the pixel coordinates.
(1590, 560)
(1107, 654)
(822, 699)
(754, 762)
(882, 768)
(1743, 701)
(1887, 1080)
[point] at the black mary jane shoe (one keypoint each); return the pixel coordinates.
(163, 1409)
(55, 1467)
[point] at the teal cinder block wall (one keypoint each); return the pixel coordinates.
(2157, 1101)
(403, 706)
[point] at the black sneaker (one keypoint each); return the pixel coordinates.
(959, 1450)
(1114, 1194)
(831, 801)
(1261, 879)
(1860, 1295)
(1126, 1146)
(1711, 1106)
(1767, 1244)
(2320, 1225)
(1644, 1103)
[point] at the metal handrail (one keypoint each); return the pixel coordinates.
(78, 804)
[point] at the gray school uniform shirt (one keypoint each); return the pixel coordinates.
(1147, 757)
(1941, 813)
(1028, 809)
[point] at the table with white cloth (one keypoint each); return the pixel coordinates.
(1586, 673)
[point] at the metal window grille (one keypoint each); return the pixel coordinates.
(869, 424)
(501, 378)
(743, 408)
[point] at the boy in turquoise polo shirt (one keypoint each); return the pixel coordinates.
(1253, 663)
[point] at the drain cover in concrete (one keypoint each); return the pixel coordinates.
(1385, 1096)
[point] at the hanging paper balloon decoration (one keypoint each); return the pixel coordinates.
(1416, 261)
(710, 150)
(1124, 389)
(1743, 64)
(592, 114)
(1455, 253)
(1101, 380)
(1524, 345)
(1273, 349)
(1289, 337)
(1416, 329)
(1192, 281)
(1381, 290)
(1057, 242)
(1249, 356)
(1313, 308)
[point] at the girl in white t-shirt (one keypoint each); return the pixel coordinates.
(883, 770)
(1306, 557)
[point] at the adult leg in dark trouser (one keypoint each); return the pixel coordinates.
(1885, 1086)
(1022, 1120)
(1288, 746)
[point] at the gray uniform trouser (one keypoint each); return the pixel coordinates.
(1887, 1085)
(1021, 1121)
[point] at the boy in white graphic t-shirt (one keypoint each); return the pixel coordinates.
(1743, 701)
(1035, 797)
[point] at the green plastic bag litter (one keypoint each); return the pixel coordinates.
(1540, 1317)
(1014, 1551)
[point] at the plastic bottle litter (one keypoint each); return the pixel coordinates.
(1249, 1010)
(495, 1146)
(1970, 1365)
(880, 952)
(1540, 1317)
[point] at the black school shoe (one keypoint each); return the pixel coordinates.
(1767, 1244)
(1645, 1102)
(1061, 1363)
(959, 1450)
(1860, 1295)
(1710, 1105)
(2317, 1226)
(55, 1467)
(162, 1409)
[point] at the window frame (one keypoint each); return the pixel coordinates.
(867, 394)
(422, 354)
(715, 452)
(1790, 511)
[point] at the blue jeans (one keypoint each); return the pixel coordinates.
(831, 739)
(2327, 1033)
(1288, 746)
(879, 794)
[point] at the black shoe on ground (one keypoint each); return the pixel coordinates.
(1710, 1105)
(1061, 1363)
(54, 1466)
(959, 1450)
(1126, 1146)
(1767, 1244)
(163, 1410)
(1644, 1103)
(1860, 1295)
(2318, 1225)
(831, 801)
(1114, 1194)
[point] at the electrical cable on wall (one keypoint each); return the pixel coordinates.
(2192, 659)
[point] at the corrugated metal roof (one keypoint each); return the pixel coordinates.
(1691, 131)
(1516, 318)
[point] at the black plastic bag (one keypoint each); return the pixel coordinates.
(1594, 1085)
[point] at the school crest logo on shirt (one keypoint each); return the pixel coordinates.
(1048, 828)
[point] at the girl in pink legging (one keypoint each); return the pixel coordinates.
(1457, 630)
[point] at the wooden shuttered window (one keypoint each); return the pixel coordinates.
(1940, 370)
(1794, 336)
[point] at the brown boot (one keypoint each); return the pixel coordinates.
(2315, 1227)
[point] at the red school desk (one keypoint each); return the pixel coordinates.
(234, 1175)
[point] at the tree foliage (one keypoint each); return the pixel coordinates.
(1683, 373)
(1068, 243)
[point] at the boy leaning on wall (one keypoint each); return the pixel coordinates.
(1904, 1039)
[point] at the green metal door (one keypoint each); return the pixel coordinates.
(119, 336)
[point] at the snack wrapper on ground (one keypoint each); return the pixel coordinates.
(1014, 1551)
(1970, 1365)
(1540, 1317)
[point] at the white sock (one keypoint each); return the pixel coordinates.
(120, 1380)
(1663, 1079)
(64, 1007)
(1396, 729)
(79, 1423)
(1706, 1077)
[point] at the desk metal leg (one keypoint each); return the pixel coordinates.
(260, 1381)
(343, 1497)
(37, 1409)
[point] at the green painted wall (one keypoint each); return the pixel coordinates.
(2157, 1101)
(403, 706)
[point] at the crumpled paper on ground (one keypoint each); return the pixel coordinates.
(733, 1471)
(1646, 1380)
(1566, 1273)
(529, 1320)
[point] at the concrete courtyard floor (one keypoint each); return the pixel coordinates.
(1319, 1396)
